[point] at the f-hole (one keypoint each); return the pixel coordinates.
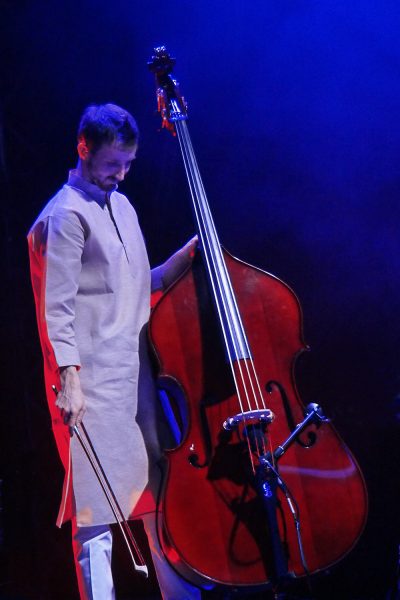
(312, 437)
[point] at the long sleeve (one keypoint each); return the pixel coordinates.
(156, 279)
(56, 247)
(164, 275)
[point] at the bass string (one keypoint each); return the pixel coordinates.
(197, 191)
(224, 283)
(223, 292)
(212, 249)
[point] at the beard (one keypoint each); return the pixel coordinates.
(104, 185)
(107, 184)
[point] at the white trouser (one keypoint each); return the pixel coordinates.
(92, 551)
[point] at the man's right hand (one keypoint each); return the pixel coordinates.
(70, 400)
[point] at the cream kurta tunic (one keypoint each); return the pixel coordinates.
(91, 281)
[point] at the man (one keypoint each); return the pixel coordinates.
(92, 281)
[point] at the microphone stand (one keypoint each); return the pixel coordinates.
(267, 481)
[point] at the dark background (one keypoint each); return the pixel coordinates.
(294, 112)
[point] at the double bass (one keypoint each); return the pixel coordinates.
(259, 490)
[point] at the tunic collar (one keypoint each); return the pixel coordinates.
(94, 192)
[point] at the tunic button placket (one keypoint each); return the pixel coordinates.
(108, 204)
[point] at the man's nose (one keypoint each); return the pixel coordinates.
(120, 176)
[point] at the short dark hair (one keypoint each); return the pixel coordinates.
(107, 124)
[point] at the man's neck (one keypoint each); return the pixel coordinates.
(81, 171)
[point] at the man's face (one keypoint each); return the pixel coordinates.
(108, 166)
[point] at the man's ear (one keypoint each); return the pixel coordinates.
(83, 150)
